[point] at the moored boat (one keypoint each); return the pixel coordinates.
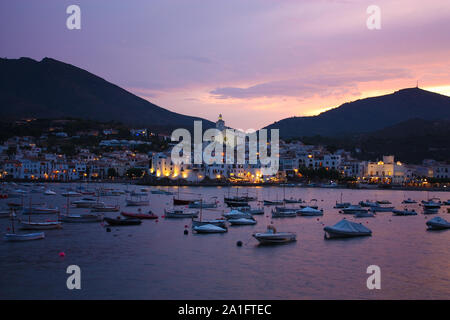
(352, 209)
(409, 201)
(122, 222)
(405, 212)
(346, 229)
(24, 237)
(47, 225)
(236, 214)
(82, 218)
(209, 228)
(271, 236)
(438, 223)
(140, 215)
(242, 221)
(217, 222)
(136, 203)
(308, 211)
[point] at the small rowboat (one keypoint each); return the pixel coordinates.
(149, 215)
(122, 222)
(209, 228)
(26, 225)
(24, 237)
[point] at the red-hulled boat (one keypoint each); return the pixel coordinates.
(140, 215)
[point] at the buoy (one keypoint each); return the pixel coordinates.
(239, 243)
(108, 229)
(185, 231)
(62, 254)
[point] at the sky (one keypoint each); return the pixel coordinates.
(253, 61)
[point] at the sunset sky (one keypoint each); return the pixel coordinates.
(254, 61)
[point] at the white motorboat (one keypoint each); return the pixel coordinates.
(242, 222)
(82, 218)
(180, 213)
(49, 192)
(24, 237)
(236, 214)
(271, 236)
(209, 228)
(217, 222)
(71, 194)
(437, 223)
(30, 225)
(346, 229)
(308, 212)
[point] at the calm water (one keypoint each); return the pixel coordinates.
(157, 261)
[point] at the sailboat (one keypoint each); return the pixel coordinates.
(23, 236)
(32, 225)
(211, 226)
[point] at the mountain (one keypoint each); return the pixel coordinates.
(53, 89)
(368, 115)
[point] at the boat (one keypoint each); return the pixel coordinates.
(81, 218)
(19, 193)
(273, 202)
(431, 204)
(105, 208)
(409, 201)
(49, 192)
(308, 212)
(71, 194)
(283, 212)
(368, 203)
(180, 213)
(342, 205)
(430, 210)
(352, 209)
(140, 215)
(292, 200)
(405, 212)
(365, 214)
(438, 223)
(182, 202)
(329, 185)
(271, 236)
(122, 222)
(24, 237)
(346, 229)
(379, 208)
(40, 210)
(252, 211)
(47, 225)
(202, 204)
(209, 228)
(236, 214)
(236, 203)
(384, 202)
(86, 203)
(242, 221)
(447, 203)
(136, 203)
(217, 222)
